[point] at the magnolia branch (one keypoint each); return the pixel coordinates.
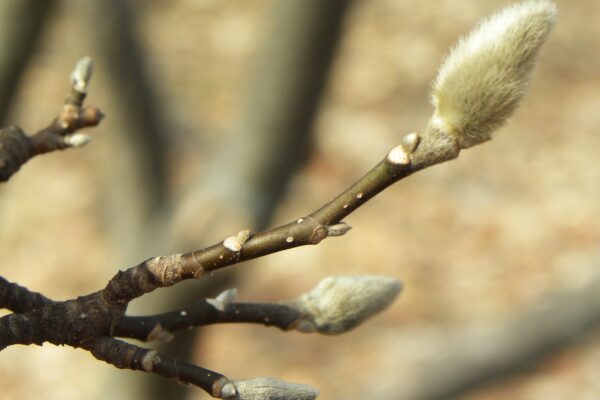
(19, 299)
(16, 148)
(334, 306)
(91, 321)
(476, 90)
(200, 313)
(413, 154)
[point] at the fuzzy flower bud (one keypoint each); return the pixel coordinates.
(481, 82)
(338, 304)
(81, 75)
(270, 389)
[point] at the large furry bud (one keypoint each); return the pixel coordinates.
(485, 76)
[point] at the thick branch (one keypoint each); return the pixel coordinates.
(71, 322)
(20, 299)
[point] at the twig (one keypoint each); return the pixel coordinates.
(336, 305)
(200, 313)
(165, 271)
(128, 356)
(16, 148)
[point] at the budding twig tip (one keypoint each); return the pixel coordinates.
(272, 389)
(485, 76)
(81, 75)
(228, 391)
(338, 304)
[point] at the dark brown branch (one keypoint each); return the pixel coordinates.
(16, 148)
(19, 299)
(203, 313)
(90, 321)
(71, 322)
(403, 160)
(128, 356)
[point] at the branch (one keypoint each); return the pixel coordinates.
(16, 148)
(200, 313)
(414, 154)
(20, 299)
(128, 356)
(334, 306)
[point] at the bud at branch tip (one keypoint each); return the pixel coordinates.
(81, 75)
(486, 74)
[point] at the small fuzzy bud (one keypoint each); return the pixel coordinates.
(223, 299)
(270, 389)
(159, 333)
(338, 304)
(482, 81)
(228, 391)
(338, 229)
(77, 140)
(81, 75)
(398, 156)
(235, 243)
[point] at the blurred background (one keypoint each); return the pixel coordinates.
(245, 114)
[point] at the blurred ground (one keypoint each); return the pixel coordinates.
(474, 240)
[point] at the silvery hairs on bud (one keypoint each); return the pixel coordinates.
(486, 74)
(338, 304)
(272, 389)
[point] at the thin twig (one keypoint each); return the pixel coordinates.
(16, 148)
(433, 148)
(202, 313)
(128, 356)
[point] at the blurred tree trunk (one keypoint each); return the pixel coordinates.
(21, 24)
(270, 140)
(136, 175)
